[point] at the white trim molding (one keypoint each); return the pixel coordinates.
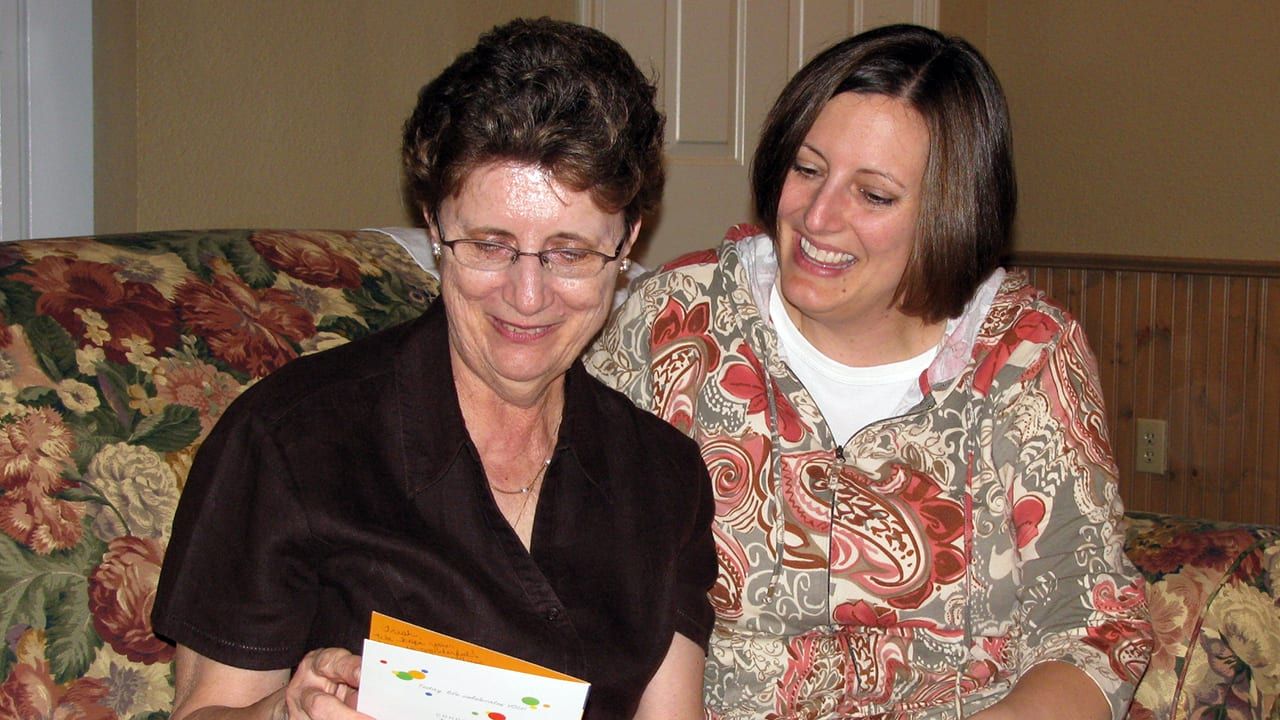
(46, 118)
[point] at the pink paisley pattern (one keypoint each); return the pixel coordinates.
(683, 354)
(726, 594)
(897, 543)
(853, 577)
(1080, 408)
(733, 463)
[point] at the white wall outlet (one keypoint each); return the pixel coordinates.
(1151, 448)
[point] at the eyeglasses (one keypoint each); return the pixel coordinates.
(566, 263)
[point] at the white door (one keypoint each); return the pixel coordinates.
(720, 64)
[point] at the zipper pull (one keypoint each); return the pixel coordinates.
(833, 471)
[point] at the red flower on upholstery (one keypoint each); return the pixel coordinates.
(1035, 327)
(251, 330)
(121, 592)
(34, 449)
(30, 693)
(198, 385)
(1138, 711)
(41, 522)
(746, 381)
(1209, 548)
(308, 258)
(70, 288)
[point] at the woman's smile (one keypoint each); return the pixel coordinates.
(833, 259)
(522, 332)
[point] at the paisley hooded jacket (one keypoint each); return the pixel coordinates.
(919, 569)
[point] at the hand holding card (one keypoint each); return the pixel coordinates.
(410, 671)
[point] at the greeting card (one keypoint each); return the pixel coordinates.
(411, 672)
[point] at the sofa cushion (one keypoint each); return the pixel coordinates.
(1212, 591)
(117, 355)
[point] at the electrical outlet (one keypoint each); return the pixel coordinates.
(1151, 447)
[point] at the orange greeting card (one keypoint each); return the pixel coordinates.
(410, 671)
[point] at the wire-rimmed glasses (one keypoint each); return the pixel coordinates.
(566, 263)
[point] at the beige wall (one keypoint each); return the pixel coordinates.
(115, 116)
(1144, 127)
(236, 113)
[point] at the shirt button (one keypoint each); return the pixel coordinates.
(553, 614)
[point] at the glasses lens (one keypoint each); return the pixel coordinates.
(571, 263)
(483, 255)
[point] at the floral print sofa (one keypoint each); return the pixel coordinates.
(118, 353)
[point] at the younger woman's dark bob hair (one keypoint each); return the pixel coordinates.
(969, 191)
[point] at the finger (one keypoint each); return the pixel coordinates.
(315, 704)
(336, 665)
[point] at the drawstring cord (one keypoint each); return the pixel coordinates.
(775, 472)
(967, 620)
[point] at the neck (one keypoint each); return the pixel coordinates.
(871, 339)
(504, 427)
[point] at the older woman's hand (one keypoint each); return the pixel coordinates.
(325, 687)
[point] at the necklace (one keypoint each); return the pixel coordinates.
(524, 490)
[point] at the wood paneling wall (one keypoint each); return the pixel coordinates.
(1195, 343)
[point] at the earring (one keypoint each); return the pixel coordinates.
(435, 251)
(624, 266)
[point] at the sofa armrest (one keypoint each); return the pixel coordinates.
(1215, 610)
(117, 355)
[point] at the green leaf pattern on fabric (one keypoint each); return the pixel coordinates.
(49, 593)
(169, 431)
(117, 355)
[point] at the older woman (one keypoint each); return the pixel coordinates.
(916, 500)
(463, 471)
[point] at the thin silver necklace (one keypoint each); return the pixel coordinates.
(524, 490)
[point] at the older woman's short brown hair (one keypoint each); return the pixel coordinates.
(563, 97)
(969, 194)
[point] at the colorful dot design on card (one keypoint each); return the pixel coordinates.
(530, 702)
(408, 674)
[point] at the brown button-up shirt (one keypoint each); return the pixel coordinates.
(346, 483)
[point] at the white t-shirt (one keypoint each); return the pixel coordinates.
(850, 398)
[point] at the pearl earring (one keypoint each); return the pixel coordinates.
(435, 251)
(624, 266)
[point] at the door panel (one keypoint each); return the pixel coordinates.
(719, 66)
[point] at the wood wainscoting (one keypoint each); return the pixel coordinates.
(1195, 343)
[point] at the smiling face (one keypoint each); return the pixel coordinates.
(847, 214)
(517, 331)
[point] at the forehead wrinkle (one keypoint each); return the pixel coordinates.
(529, 189)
